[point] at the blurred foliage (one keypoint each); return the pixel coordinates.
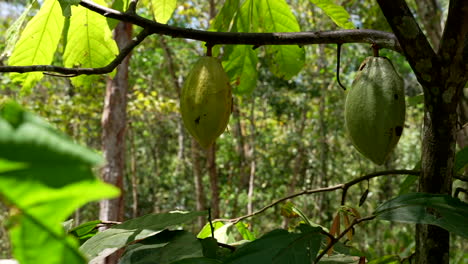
(295, 128)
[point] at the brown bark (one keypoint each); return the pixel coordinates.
(431, 19)
(114, 120)
(442, 76)
(214, 185)
(198, 181)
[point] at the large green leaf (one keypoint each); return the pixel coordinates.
(285, 61)
(337, 13)
(105, 243)
(163, 9)
(241, 67)
(165, 247)
(222, 21)
(423, 208)
(89, 42)
(44, 184)
(38, 42)
(279, 246)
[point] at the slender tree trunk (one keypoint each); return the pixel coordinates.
(114, 121)
(133, 172)
(213, 173)
(250, 193)
(198, 181)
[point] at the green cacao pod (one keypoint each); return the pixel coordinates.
(206, 101)
(375, 109)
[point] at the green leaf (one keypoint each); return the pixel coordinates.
(339, 259)
(89, 43)
(165, 247)
(66, 6)
(197, 261)
(391, 259)
(241, 67)
(105, 243)
(279, 246)
(85, 231)
(461, 159)
(38, 43)
(43, 189)
(206, 230)
(337, 13)
(422, 208)
(12, 34)
(222, 21)
(245, 233)
(26, 138)
(284, 61)
(163, 9)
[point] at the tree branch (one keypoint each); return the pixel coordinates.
(383, 39)
(71, 72)
(414, 43)
(344, 187)
(342, 234)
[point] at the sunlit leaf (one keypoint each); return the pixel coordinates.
(163, 9)
(90, 43)
(66, 6)
(46, 178)
(337, 13)
(38, 42)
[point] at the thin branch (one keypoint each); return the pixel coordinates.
(71, 72)
(383, 39)
(333, 240)
(344, 187)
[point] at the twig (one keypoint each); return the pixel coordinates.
(333, 240)
(80, 71)
(344, 187)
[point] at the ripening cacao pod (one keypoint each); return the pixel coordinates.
(206, 101)
(375, 109)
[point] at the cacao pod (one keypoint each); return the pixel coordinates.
(206, 101)
(375, 109)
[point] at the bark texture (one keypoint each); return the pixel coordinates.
(114, 119)
(442, 76)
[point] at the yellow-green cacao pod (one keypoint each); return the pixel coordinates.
(375, 109)
(206, 101)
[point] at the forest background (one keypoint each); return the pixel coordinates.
(284, 136)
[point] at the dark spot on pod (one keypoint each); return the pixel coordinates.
(398, 130)
(395, 96)
(197, 121)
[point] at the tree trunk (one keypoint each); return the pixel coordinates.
(442, 76)
(198, 181)
(212, 171)
(252, 155)
(114, 120)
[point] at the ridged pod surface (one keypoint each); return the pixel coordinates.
(206, 101)
(375, 109)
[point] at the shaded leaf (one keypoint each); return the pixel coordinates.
(337, 13)
(461, 159)
(279, 246)
(38, 43)
(165, 247)
(241, 67)
(105, 243)
(197, 261)
(284, 61)
(422, 208)
(223, 20)
(391, 259)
